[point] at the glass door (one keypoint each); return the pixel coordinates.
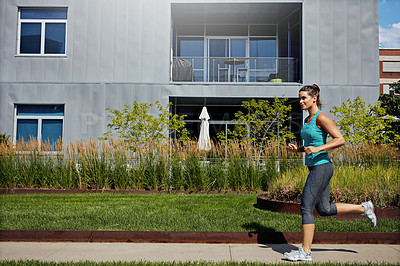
(218, 50)
(238, 63)
(225, 54)
(192, 50)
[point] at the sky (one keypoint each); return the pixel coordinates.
(389, 23)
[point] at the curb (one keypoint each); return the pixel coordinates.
(198, 237)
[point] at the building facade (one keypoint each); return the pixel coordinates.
(389, 68)
(63, 62)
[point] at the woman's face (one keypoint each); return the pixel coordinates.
(306, 101)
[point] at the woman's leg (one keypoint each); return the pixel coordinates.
(324, 207)
(349, 208)
(308, 235)
(366, 208)
(315, 191)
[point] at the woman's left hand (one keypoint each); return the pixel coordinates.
(311, 149)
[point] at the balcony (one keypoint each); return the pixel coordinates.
(235, 69)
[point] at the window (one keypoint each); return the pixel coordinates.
(222, 111)
(44, 122)
(192, 49)
(42, 31)
(264, 40)
(390, 66)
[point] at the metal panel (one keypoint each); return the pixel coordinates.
(8, 29)
(353, 41)
(370, 42)
(340, 42)
(326, 39)
(107, 41)
(311, 30)
(78, 45)
(340, 72)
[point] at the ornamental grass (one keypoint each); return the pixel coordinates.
(364, 172)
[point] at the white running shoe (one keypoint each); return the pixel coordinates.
(369, 212)
(298, 255)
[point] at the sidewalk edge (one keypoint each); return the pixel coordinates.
(197, 237)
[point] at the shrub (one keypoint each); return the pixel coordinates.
(263, 122)
(134, 124)
(360, 125)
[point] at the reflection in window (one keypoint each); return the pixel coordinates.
(42, 31)
(43, 122)
(30, 38)
(262, 47)
(238, 48)
(192, 49)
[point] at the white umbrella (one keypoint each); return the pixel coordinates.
(204, 138)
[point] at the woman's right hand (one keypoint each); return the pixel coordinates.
(291, 147)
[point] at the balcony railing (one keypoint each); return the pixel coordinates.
(235, 69)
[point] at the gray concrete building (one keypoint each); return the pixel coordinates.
(63, 62)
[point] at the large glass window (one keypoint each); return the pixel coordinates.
(42, 122)
(42, 31)
(242, 42)
(222, 112)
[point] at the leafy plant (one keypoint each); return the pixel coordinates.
(4, 138)
(360, 124)
(392, 102)
(135, 124)
(264, 121)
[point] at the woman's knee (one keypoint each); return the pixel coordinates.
(307, 218)
(323, 212)
(326, 210)
(307, 213)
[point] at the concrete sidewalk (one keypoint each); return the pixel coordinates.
(268, 253)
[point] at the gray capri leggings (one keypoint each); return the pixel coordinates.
(316, 193)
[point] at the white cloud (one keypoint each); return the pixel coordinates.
(390, 37)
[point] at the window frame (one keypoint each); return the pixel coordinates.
(43, 23)
(39, 118)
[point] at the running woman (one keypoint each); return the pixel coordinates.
(317, 188)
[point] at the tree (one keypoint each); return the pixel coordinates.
(359, 124)
(263, 121)
(135, 124)
(392, 102)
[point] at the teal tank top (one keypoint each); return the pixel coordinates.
(314, 136)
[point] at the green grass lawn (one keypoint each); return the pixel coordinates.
(159, 212)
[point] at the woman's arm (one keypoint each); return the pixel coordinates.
(293, 148)
(324, 122)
